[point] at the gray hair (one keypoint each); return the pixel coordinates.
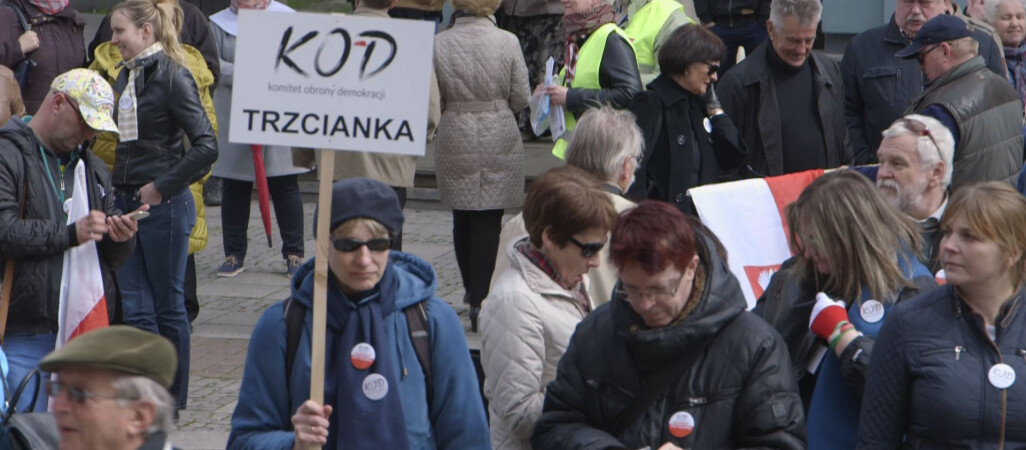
(143, 389)
(807, 12)
(929, 155)
(603, 140)
(990, 8)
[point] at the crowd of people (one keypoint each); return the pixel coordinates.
(608, 314)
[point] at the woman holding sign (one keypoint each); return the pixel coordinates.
(949, 365)
(854, 259)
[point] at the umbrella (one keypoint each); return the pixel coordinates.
(260, 176)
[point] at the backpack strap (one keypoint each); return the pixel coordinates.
(416, 321)
(295, 312)
(21, 16)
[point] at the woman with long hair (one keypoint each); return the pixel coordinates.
(855, 258)
(152, 167)
(947, 372)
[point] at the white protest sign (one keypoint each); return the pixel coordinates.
(332, 81)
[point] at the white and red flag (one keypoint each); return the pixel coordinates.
(748, 217)
(82, 304)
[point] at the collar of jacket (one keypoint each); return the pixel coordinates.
(1006, 314)
(959, 71)
(370, 12)
(37, 17)
(670, 93)
(819, 74)
(535, 278)
(893, 34)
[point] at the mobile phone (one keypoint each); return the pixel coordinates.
(137, 215)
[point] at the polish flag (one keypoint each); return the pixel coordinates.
(748, 217)
(82, 304)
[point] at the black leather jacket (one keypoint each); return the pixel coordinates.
(168, 104)
(618, 76)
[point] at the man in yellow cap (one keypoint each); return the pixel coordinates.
(38, 156)
(111, 390)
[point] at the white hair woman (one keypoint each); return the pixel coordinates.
(1009, 19)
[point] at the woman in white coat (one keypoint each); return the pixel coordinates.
(531, 312)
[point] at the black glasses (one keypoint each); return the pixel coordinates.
(922, 55)
(632, 294)
(75, 395)
(588, 250)
(351, 245)
(713, 68)
(921, 129)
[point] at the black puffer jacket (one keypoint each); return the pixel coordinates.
(38, 241)
(731, 13)
(928, 385)
(739, 391)
(168, 104)
(618, 76)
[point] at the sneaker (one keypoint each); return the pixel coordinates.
(231, 267)
(292, 264)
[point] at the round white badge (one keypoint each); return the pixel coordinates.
(1001, 376)
(871, 311)
(125, 103)
(362, 355)
(681, 424)
(67, 207)
(707, 124)
(375, 386)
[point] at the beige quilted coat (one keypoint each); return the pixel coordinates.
(479, 156)
(526, 324)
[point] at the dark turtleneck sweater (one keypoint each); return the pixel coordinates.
(801, 130)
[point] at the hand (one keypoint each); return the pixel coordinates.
(712, 101)
(539, 89)
(311, 425)
(122, 228)
(826, 315)
(149, 194)
(29, 41)
(709, 24)
(557, 94)
(670, 446)
(91, 227)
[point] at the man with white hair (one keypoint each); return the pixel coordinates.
(781, 78)
(914, 175)
(111, 390)
(607, 143)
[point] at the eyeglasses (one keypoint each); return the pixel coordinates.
(713, 68)
(634, 294)
(921, 129)
(588, 250)
(922, 55)
(348, 245)
(75, 395)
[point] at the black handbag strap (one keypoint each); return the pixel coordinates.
(21, 16)
(12, 398)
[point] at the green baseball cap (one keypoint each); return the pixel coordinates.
(121, 348)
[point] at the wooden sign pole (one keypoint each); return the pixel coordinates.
(320, 294)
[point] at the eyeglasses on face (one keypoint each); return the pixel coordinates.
(713, 68)
(348, 245)
(588, 250)
(633, 295)
(922, 55)
(75, 395)
(921, 129)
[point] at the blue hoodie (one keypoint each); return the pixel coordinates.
(456, 420)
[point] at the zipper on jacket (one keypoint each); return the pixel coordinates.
(1004, 398)
(124, 175)
(958, 351)
(1022, 352)
(697, 401)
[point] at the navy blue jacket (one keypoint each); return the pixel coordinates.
(878, 87)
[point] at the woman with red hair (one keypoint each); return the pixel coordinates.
(673, 359)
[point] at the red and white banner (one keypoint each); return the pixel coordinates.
(82, 304)
(748, 217)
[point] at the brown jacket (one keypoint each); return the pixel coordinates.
(10, 96)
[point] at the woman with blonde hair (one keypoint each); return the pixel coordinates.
(945, 371)
(855, 258)
(152, 167)
(482, 79)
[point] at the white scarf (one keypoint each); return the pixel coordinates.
(128, 105)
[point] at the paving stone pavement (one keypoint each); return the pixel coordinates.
(230, 307)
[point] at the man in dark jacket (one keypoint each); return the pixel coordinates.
(739, 23)
(37, 162)
(878, 86)
(783, 77)
(54, 43)
(673, 358)
(982, 110)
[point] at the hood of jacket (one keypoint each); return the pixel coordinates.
(721, 301)
(17, 131)
(417, 280)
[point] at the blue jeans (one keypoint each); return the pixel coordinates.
(749, 36)
(24, 351)
(152, 281)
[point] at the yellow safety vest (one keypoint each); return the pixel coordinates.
(586, 76)
(645, 25)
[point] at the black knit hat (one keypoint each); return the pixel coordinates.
(363, 197)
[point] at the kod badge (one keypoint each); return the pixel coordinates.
(681, 424)
(125, 103)
(362, 356)
(1001, 376)
(375, 386)
(872, 311)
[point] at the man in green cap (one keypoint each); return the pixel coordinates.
(111, 390)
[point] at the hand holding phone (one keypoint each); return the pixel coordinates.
(137, 215)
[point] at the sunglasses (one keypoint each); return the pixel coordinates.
(588, 250)
(348, 245)
(75, 395)
(713, 68)
(921, 129)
